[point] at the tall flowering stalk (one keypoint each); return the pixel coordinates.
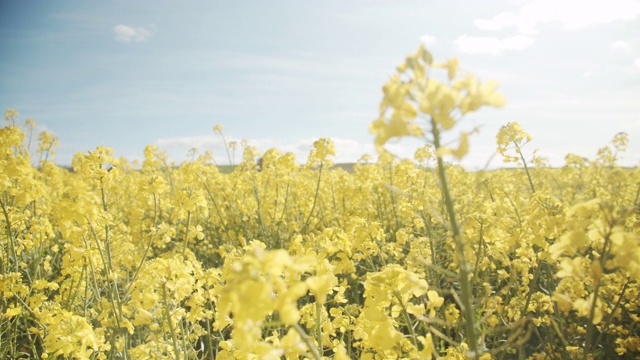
(419, 105)
(512, 133)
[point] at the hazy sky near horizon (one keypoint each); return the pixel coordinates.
(126, 74)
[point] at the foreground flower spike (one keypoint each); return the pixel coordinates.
(415, 102)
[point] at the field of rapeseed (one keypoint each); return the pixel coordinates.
(397, 259)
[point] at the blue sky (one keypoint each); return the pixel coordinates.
(126, 74)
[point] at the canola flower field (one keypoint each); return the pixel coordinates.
(412, 259)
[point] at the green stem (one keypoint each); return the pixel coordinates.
(209, 351)
(513, 205)
(407, 319)
(107, 270)
(305, 338)
(591, 326)
(215, 206)
(256, 193)
(226, 148)
(319, 325)
(465, 284)
(393, 198)
(167, 314)
(432, 245)
(315, 199)
(592, 311)
(605, 328)
(526, 168)
(536, 276)
(12, 245)
(139, 267)
(186, 234)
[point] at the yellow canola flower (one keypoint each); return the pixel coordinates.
(293, 345)
(451, 66)
(583, 307)
(428, 349)
(392, 288)
(412, 92)
(460, 152)
(258, 284)
(435, 302)
(477, 94)
(11, 284)
(508, 135)
(438, 100)
(13, 311)
(323, 283)
(403, 113)
(395, 96)
(395, 126)
(322, 152)
(10, 114)
(143, 317)
(452, 314)
(70, 335)
(99, 166)
(383, 335)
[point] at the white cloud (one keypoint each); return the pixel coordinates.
(188, 142)
(504, 20)
(492, 45)
(621, 45)
(428, 40)
(574, 14)
(636, 62)
(129, 34)
(518, 42)
(587, 74)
